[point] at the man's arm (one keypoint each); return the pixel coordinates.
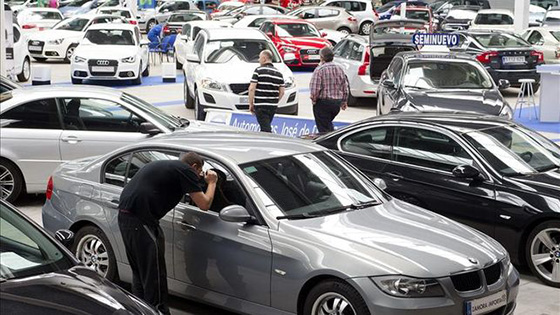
(252, 89)
(345, 91)
(281, 91)
(315, 86)
(204, 200)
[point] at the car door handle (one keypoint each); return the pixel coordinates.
(186, 225)
(113, 203)
(71, 139)
(394, 176)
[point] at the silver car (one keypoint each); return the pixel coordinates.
(293, 229)
(45, 126)
(333, 18)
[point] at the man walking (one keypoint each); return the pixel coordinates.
(329, 91)
(265, 90)
(153, 191)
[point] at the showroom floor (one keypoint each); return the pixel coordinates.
(534, 297)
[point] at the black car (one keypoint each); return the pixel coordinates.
(505, 56)
(486, 172)
(442, 82)
(39, 276)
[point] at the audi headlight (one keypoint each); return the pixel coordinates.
(130, 59)
(56, 41)
(79, 59)
(289, 83)
(212, 85)
(289, 49)
(506, 112)
(407, 287)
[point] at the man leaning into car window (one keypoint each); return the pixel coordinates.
(153, 191)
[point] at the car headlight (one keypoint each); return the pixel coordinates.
(289, 49)
(130, 59)
(407, 287)
(79, 59)
(56, 41)
(212, 85)
(289, 83)
(506, 112)
(506, 263)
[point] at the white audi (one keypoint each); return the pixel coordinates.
(111, 52)
(233, 52)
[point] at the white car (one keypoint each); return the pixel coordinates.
(111, 52)
(545, 40)
(224, 7)
(493, 19)
(184, 42)
(38, 19)
(60, 42)
(352, 54)
(22, 59)
(362, 9)
(255, 21)
(227, 50)
(148, 18)
(124, 13)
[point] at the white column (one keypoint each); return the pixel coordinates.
(521, 15)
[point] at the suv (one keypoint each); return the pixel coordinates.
(362, 9)
(328, 17)
(149, 18)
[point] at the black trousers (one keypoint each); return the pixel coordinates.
(325, 111)
(265, 114)
(145, 250)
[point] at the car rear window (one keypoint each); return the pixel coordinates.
(500, 40)
(556, 35)
(493, 19)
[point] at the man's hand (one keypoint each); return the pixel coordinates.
(344, 106)
(210, 177)
(252, 108)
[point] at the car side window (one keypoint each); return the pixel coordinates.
(536, 39)
(256, 22)
(98, 115)
(17, 35)
(323, 13)
(309, 14)
(198, 44)
(183, 5)
(340, 48)
(228, 190)
(429, 149)
(268, 28)
(38, 114)
(115, 171)
(393, 72)
(374, 142)
(355, 51)
(141, 158)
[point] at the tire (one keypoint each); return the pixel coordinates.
(365, 28)
(25, 71)
(40, 59)
(11, 181)
(178, 65)
(344, 30)
(69, 53)
(547, 258)
(146, 72)
(352, 101)
(199, 112)
(77, 81)
(325, 295)
(536, 87)
(138, 79)
(149, 25)
(93, 249)
(189, 100)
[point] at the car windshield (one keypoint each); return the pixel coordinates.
(514, 150)
(76, 24)
(310, 184)
(238, 50)
(110, 37)
(500, 40)
(235, 11)
(26, 251)
(493, 19)
(553, 16)
(556, 35)
(423, 15)
(170, 122)
(296, 30)
(443, 74)
(121, 13)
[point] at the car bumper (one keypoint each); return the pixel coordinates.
(50, 51)
(231, 101)
(142, 25)
(361, 86)
(380, 303)
(513, 76)
(124, 71)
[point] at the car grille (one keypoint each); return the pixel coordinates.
(240, 88)
(102, 63)
(472, 280)
(309, 52)
(493, 273)
(36, 43)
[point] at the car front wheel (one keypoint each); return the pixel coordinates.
(334, 297)
(93, 249)
(25, 71)
(543, 252)
(11, 181)
(365, 28)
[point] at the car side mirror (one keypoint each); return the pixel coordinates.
(503, 84)
(149, 128)
(380, 183)
(193, 58)
(236, 214)
(466, 171)
(65, 237)
(388, 84)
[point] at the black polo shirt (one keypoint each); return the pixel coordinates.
(269, 80)
(157, 188)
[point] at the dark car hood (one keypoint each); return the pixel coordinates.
(547, 183)
(78, 290)
(488, 102)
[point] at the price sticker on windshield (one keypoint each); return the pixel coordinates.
(435, 39)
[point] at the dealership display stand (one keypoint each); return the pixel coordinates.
(168, 72)
(41, 75)
(550, 92)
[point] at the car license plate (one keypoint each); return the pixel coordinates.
(313, 57)
(486, 304)
(35, 48)
(244, 100)
(103, 69)
(516, 59)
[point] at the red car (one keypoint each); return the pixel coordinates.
(297, 41)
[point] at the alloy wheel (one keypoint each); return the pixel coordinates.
(7, 183)
(545, 254)
(332, 303)
(93, 254)
(366, 28)
(26, 69)
(70, 52)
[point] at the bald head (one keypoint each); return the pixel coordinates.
(265, 57)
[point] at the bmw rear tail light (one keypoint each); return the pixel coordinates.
(486, 56)
(539, 55)
(364, 68)
(28, 26)
(133, 22)
(50, 187)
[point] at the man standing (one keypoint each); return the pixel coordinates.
(153, 191)
(265, 90)
(329, 91)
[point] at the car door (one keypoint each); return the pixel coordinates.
(30, 133)
(391, 93)
(233, 259)
(94, 126)
(326, 18)
(420, 172)
(142, 49)
(19, 50)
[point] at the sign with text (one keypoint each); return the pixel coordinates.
(437, 39)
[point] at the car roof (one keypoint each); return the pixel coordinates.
(237, 146)
(208, 24)
(495, 11)
(233, 33)
(41, 9)
(112, 26)
(434, 55)
(321, 7)
(283, 20)
(28, 93)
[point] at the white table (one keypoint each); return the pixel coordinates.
(550, 93)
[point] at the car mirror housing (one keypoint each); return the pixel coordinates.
(388, 84)
(466, 171)
(149, 128)
(193, 58)
(236, 214)
(65, 237)
(503, 84)
(380, 183)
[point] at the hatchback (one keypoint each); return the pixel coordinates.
(333, 18)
